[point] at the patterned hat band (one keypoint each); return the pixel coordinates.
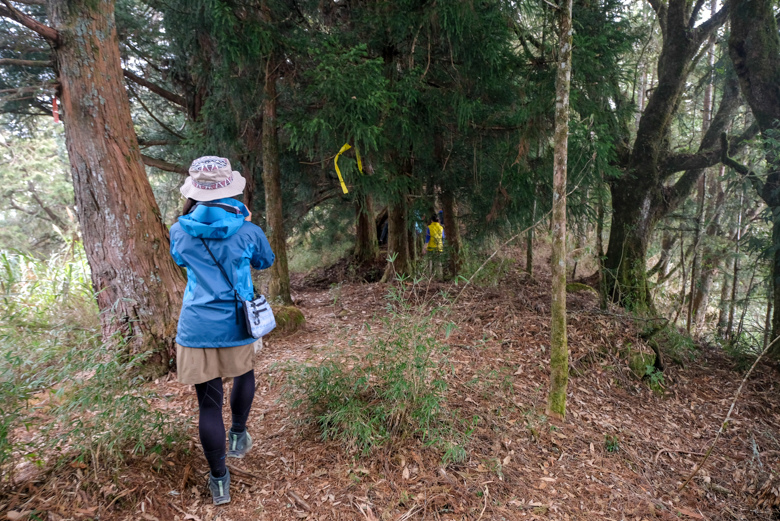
(212, 186)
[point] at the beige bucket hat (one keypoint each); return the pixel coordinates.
(212, 178)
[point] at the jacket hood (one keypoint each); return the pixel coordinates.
(214, 219)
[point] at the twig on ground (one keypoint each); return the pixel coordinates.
(299, 501)
(728, 416)
(657, 454)
(485, 494)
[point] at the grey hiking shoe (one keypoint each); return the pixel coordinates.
(220, 488)
(239, 444)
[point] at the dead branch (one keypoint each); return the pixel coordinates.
(728, 415)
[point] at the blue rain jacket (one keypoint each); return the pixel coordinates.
(208, 313)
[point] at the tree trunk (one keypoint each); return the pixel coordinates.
(452, 233)
(735, 272)
(397, 239)
(754, 47)
(625, 266)
(723, 308)
(711, 255)
(768, 318)
(695, 264)
(529, 244)
(366, 244)
(139, 288)
(559, 348)
(643, 196)
(274, 218)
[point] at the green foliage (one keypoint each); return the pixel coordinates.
(675, 344)
(393, 391)
(611, 443)
(36, 201)
(655, 379)
(64, 394)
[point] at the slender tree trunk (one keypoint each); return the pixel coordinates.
(735, 276)
(559, 349)
(684, 281)
(701, 196)
(746, 300)
(397, 239)
(452, 233)
(366, 244)
(603, 297)
(723, 308)
(279, 287)
(529, 244)
(711, 254)
(768, 318)
(139, 288)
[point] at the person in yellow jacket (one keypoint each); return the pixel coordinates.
(434, 242)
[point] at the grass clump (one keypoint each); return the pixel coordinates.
(392, 392)
(65, 395)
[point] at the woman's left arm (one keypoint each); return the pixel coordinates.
(262, 256)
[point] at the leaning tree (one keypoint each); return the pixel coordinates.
(139, 289)
(655, 178)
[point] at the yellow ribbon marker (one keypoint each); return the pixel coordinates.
(346, 147)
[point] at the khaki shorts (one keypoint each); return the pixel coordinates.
(197, 365)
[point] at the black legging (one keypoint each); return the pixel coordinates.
(210, 425)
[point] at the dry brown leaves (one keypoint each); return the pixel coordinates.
(620, 454)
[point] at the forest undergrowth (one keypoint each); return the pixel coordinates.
(393, 402)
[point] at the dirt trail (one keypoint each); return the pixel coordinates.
(621, 454)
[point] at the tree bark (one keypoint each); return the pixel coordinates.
(139, 288)
(559, 348)
(641, 197)
(366, 244)
(279, 287)
(397, 239)
(529, 244)
(452, 233)
(711, 255)
(754, 47)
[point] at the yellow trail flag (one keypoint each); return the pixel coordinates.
(346, 147)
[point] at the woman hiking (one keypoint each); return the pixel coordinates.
(212, 340)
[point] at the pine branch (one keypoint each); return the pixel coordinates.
(14, 14)
(25, 63)
(163, 165)
(170, 96)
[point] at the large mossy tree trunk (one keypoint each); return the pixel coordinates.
(559, 348)
(139, 288)
(754, 47)
(279, 287)
(642, 196)
(366, 244)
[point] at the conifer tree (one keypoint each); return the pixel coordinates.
(139, 288)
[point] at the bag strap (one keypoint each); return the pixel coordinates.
(224, 274)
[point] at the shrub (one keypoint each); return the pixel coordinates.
(394, 391)
(64, 395)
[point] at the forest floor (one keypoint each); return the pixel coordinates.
(621, 454)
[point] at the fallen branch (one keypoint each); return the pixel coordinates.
(299, 501)
(728, 416)
(243, 472)
(657, 454)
